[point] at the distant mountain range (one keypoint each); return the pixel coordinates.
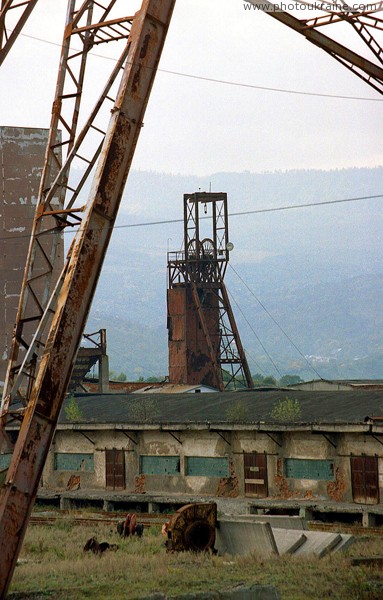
(317, 271)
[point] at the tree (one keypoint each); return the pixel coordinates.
(290, 380)
(73, 411)
(121, 377)
(257, 379)
(286, 410)
(269, 380)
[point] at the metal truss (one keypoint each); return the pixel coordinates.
(65, 311)
(223, 340)
(367, 25)
(87, 24)
(202, 266)
(12, 9)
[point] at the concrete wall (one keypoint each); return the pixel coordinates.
(22, 152)
(232, 445)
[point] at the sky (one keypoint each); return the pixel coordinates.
(195, 126)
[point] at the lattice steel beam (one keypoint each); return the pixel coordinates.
(19, 9)
(365, 24)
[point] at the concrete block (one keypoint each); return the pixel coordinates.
(276, 521)
(319, 543)
(288, 540)
(243, 538)
(347, 540)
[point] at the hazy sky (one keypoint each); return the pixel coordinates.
(200, 127)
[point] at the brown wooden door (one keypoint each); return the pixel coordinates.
(255, 466)
(365, 479)
(115, 469)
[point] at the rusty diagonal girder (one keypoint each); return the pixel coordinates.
(79, 280)
(21, 9)
(362, 22)
(58, 200)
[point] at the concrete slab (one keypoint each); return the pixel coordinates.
(319, 543)
(243, 538)
(288, 540)
(347, 540)
(276, 521)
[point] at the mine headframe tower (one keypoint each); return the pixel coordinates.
(204, 343)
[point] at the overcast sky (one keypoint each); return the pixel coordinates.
(200, 127)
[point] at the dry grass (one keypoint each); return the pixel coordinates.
(53, 564)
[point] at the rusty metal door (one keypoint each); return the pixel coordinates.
(365, 479)
(115, 469)
(255, 467)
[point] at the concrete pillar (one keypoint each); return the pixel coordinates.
(368, 519)
(103, 374)
(65, 503)
(306, 513)
(108, 506)
(153, 507)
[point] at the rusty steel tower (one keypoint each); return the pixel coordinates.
(204, 343)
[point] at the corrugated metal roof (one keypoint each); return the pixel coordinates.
(255, 406)
(173, 388)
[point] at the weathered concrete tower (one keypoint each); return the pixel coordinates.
(22, 153)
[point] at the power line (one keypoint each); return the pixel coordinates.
(256, 335)
(275, 322)
(232, 214)
(228, 82)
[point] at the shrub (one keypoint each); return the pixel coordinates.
(286, 410)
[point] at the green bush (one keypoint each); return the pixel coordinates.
(286, 410)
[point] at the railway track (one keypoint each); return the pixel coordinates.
(149, 519)
(78, 517)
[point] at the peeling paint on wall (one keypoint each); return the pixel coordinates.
(229, 486)
(336, 489)
(139, 484)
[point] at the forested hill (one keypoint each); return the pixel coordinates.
(316, 270)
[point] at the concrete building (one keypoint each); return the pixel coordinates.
(323, 385)
(222, 445)
(22, 152)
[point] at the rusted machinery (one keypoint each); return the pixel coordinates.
(192, 527)
(39, 372)
(204, 342)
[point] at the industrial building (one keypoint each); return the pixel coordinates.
(194, 445)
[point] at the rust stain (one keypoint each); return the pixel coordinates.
(228, 486)
(136, 80)
(139, 484)
(337, 488)
(73, 483)
(145, 45)
(280, 482)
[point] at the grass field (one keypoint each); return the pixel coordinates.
(53, 564)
